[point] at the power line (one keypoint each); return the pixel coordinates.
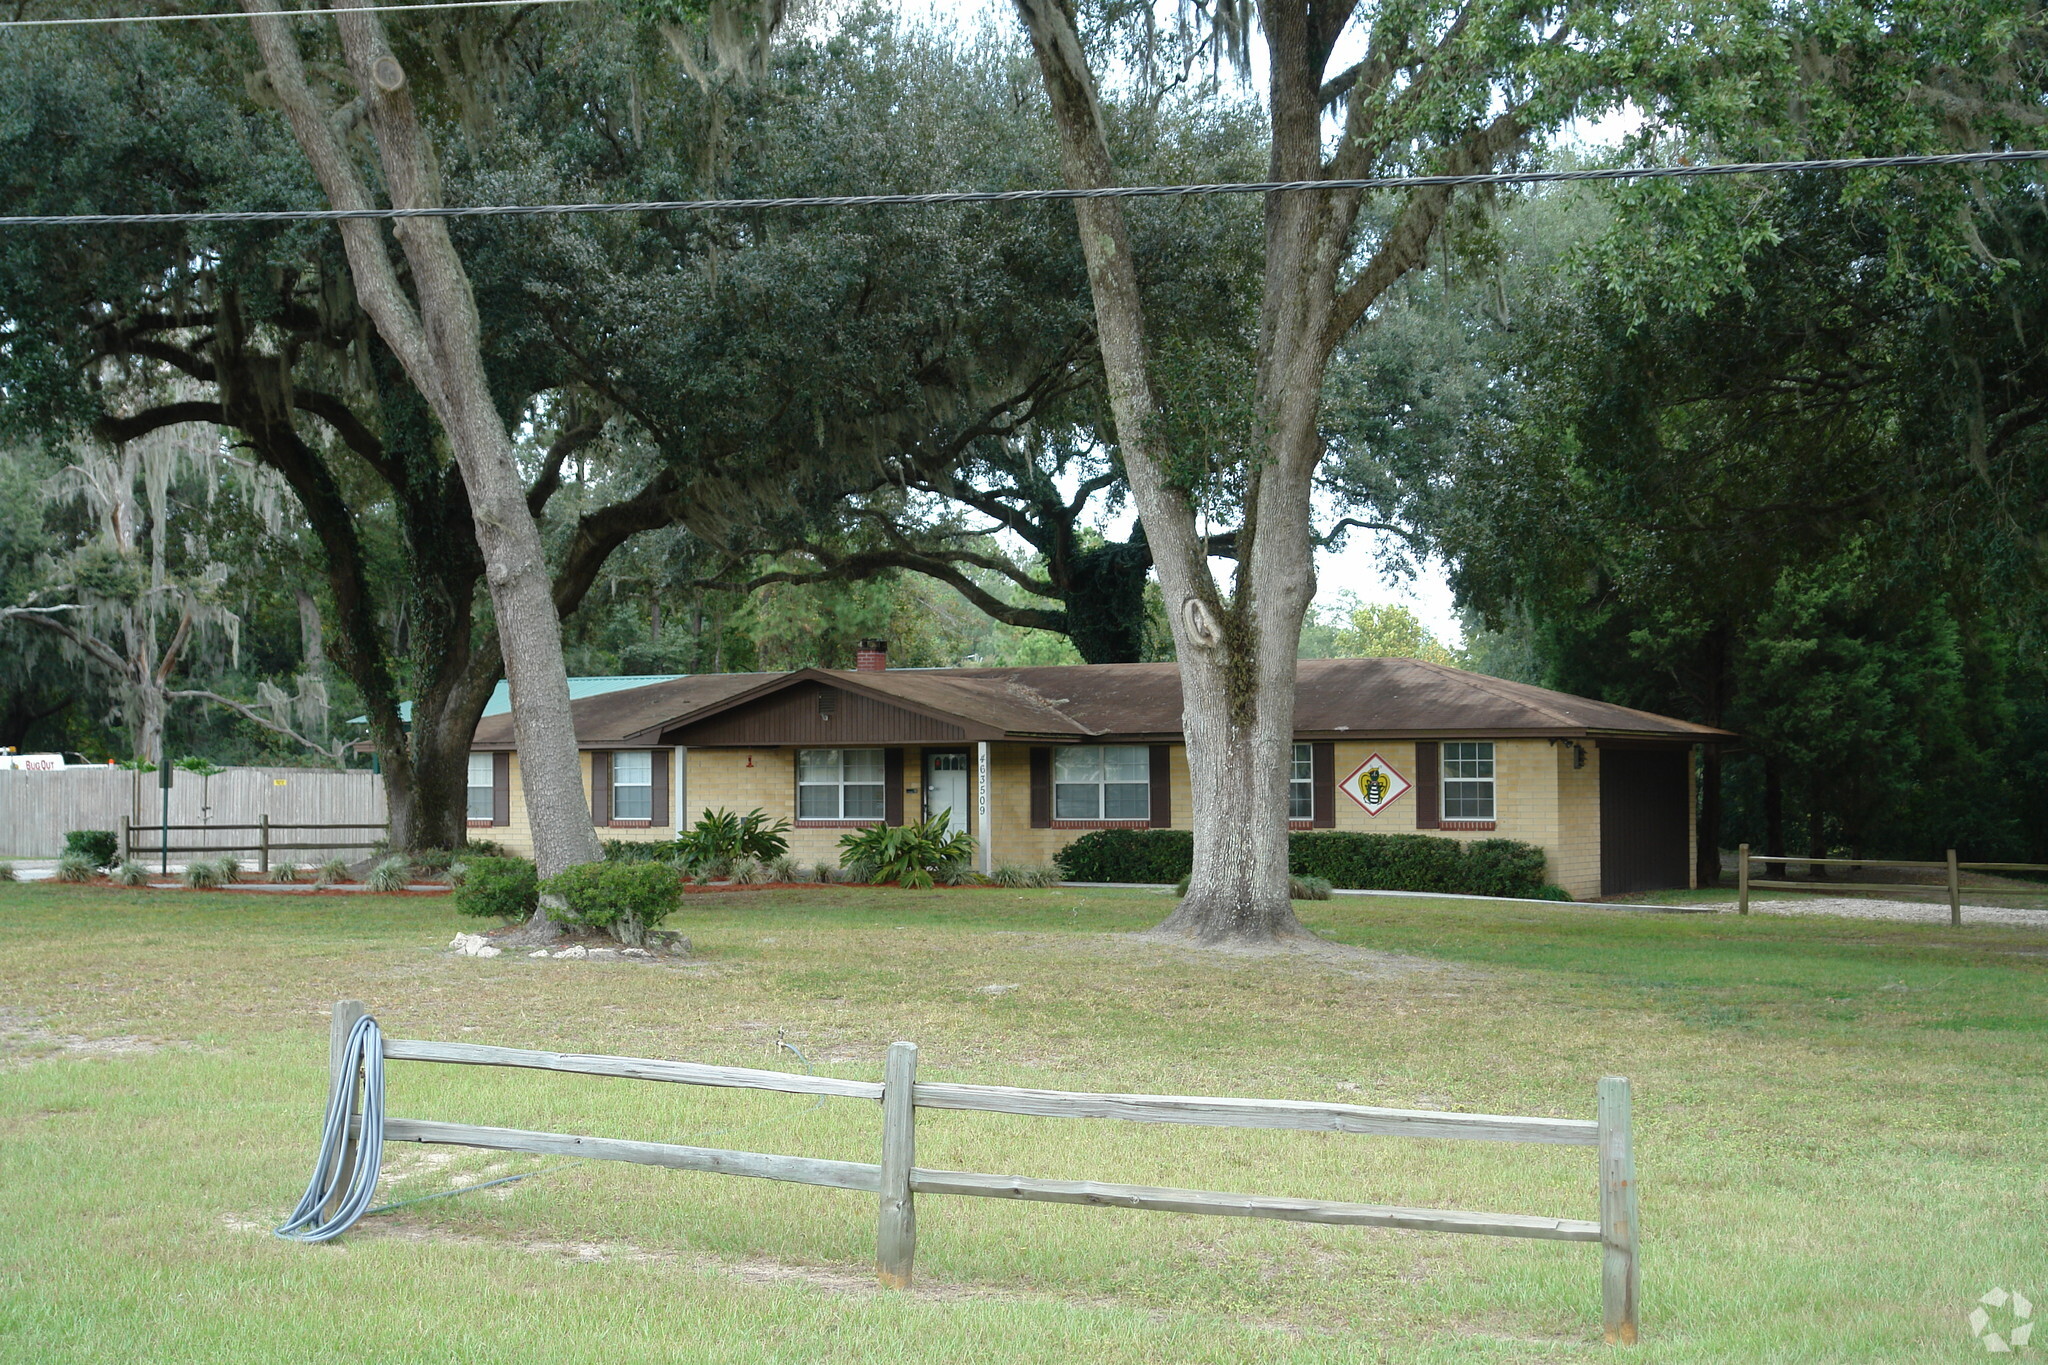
(279, 14)
(1391, 182)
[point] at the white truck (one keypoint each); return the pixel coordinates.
(41, 763)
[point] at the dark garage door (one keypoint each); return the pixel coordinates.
(1643, 824)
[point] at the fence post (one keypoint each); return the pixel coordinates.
(1955, 891)
(263, 844)
(127, 840)
(1742, 879)
(346, 1012)
(1620, 1274)
(896, 1230)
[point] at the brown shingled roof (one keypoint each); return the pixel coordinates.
(1334, 697)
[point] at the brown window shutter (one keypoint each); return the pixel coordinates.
(1162, 786)
(601, 788)
(1429, 801)
(660, 820)
(1322, 769)
(892, 786)
(1041, 789)
(501, 788)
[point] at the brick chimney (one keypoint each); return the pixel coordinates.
(871, 656)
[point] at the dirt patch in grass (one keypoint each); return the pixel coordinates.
(24, 1041)
(1310, 950)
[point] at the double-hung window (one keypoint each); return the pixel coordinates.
(839, 784)
(1102, 782)
(1468, 780)
(1301, 784)
(633, 785)
(483, 787)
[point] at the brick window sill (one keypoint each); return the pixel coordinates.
(1102, 824)
(1301, 824)
(837, 824)
(1467, 825)
(630, 824)
(481, 824)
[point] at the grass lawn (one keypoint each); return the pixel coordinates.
(1842, 1133)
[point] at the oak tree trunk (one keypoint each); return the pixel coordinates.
(435, 335)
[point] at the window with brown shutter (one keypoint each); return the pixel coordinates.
(1041, 789)
(501, 788)
(892, 786)
(1428, 792)
(1323, 762)
(1162, 786)
(600, 788)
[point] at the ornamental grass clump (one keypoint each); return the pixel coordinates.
(784, 869)
(287, 874)
(8, 874)
(1015, 876)
(332, 871)
(201, 876)
(393, 874)
(76, 867)
(229, 867)
(626, 900)
(131, 873)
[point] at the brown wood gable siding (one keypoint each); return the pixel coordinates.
(815, 716)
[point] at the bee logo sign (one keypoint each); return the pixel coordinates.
(1375, 786)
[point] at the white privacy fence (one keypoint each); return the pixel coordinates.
(38, 808)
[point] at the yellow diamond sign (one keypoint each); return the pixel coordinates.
(1375, 785)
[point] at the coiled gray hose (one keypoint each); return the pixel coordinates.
(364, 1053)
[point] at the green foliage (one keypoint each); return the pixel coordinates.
(912, 855)
(508, 888)
(76, 867)
(784, 869)
(332, 871)
(101, 847)
(720, 838)
(229, 867)
(8, 874)
(484, 848)
(637, 851)
(1011, 874)
(392, 874)
(433, 859)
(1363, 862)
(203, 875)
(287, 873)
(1352, 629)
(624, 899)
(131, 873)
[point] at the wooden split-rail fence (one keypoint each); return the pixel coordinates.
(897, 1180)
(1745, 882)
(146, 841)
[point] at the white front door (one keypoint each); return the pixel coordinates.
(945, 789)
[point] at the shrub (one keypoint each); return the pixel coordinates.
(484, 848)
(201, 875)
(637, 851)
(458, 872)
(433, 859)
(393, 874)
(506, 887)
(286, 874)
(624, 899)
(784, 869)
(332, 871)
(749, 872)
(1012, 875)
(720, 837)
(76, 867)
(1364, 862)
(99, 846)
(8, 874)
(1308, 889)
(911, 855)
(825, 872)
(229, 867)
(1128, 855)
(132, 873)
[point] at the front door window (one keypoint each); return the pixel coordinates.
(945, 789)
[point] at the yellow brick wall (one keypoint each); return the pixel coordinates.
(517, 835)
(1539, 798)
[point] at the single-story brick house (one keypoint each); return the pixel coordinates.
(1027, 758)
